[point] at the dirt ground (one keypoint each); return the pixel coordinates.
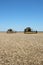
(21, 49)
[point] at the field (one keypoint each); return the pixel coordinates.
(21, 49)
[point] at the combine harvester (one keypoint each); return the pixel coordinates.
(28, 30)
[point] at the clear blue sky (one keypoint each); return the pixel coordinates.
(19, 14)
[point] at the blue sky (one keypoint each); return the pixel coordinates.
(19, 14)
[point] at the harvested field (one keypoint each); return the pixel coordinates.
(21, 49)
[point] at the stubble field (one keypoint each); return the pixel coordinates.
(21, 49)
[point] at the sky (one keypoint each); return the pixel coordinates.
(19, 14)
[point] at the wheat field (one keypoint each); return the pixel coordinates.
(21, 49)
